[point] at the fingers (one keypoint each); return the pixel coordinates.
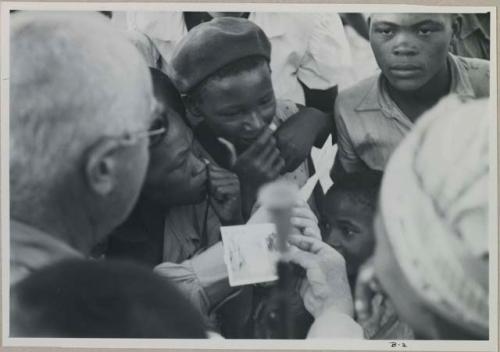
(308, 244)
(365, 291)
(306, 225)
(262, 161)
(223, 183)
(312, 231)
(303, 258)
(264, 140)
(302, 210)
(272, 162)
(224, 189)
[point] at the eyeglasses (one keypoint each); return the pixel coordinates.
(156, 132)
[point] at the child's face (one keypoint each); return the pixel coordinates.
(348, 228)
(239, 107)
(410, 49)
(175, 175)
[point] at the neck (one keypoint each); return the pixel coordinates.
(151, 206)
(414, 103)
(62, 219)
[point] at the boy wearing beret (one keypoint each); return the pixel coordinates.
(411, 50)
(222, 69)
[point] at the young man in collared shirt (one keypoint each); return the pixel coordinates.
(417, 71)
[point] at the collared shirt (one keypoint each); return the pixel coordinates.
(312, 48)
(370, 125)
(31, 249)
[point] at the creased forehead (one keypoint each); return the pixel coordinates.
(408, 19)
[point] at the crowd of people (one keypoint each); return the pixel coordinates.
(132, 144)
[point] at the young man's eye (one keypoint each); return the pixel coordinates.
(425, 31)
(385, 31)
(230, 113)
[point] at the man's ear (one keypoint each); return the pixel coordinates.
(101, 166)
(194, 114)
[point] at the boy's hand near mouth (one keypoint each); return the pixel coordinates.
(224, 187)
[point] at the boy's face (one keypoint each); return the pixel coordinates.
(348, 228)
(239, 107)
(175, 176)
(410, 49)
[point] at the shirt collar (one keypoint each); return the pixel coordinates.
(460, 80)
(377, 97)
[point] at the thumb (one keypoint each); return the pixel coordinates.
(364, 291)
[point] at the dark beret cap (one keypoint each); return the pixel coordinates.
(212, 45)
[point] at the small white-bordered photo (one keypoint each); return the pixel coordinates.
(250, 253)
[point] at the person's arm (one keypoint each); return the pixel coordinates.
(321, 99)
(325, 61)
(359, 23)
(203, 278)
(300, 132)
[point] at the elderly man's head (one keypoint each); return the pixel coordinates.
(80, 104)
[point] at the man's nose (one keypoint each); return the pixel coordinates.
(254, 122)
(334, 241)
(403, 46)
(197, 165)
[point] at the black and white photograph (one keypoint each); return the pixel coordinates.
(250, 253)
(249, 175)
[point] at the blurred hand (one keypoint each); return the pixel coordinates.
(366, 289)
(224, 188)
(326, 282)
(261, 162)
(304, 221)
(296, 137)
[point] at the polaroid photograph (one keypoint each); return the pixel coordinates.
(135, 137)
(250, 253)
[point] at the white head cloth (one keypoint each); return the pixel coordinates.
(434, 204)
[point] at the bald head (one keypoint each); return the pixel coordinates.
(74, 81)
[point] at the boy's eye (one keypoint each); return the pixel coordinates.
(325, 226)
(348, 232)
(425, 31)
(230, 113)
(265, 100)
